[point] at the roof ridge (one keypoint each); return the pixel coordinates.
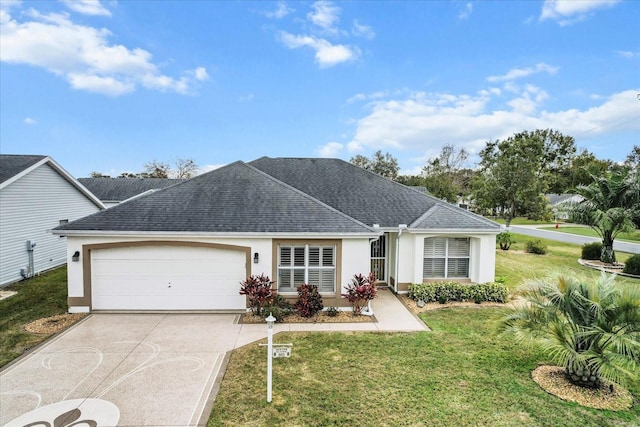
(307, 196)
(451, 207)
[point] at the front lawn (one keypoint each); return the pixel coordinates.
(515, 265)
(633, 237)
(38, 297)
(460, 374)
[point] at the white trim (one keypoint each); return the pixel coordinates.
(142, 234)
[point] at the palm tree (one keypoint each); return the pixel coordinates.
(609, 207)
(592, 328)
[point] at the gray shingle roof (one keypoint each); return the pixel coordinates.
(233, 199)
(366, 196)
(119, 189)
(445, 216)
(12, 164)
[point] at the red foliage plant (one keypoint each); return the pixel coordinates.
(309, 300)
(360, 291)
(259, 290)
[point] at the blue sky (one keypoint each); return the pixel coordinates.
(108, 86)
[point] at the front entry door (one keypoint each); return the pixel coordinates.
(379, 258)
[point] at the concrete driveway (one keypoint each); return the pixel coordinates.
(124, 369)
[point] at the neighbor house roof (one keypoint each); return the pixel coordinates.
(13, 164)
(120, 189)
(368, 197)
(237, 198)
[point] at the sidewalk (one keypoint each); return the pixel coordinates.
(390, 313)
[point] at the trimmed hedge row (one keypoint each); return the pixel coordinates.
(453, 291)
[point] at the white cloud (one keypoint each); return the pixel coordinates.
(361, 30)
(84, 56)
(29, 121)
(87, 7)
(326, 54)
(330, 149)
(281, 11)
(627, 54)
(325, 15)
(466, 11)
(424, 122)
(518, 73)
(567, 12)
(247, 98)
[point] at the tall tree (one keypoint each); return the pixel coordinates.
(633, 158)
(444, 176)
(516, 172)
(185, 168)
(609, 207)
(581, 171)
(95, 174)
(383, 164)
(156, 169)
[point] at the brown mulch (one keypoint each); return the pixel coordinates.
(553, 380)
(411, 305)
(322, 317)
(53, 324)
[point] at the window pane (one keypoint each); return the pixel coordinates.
(435, 247)
(327, 257)
(284, 280)
(285, 255)
(324, 279)
(314, 276)
(314, 256)
(459, 247)
(298, 257)
(433, 267)
(298, 277)
(458, 267)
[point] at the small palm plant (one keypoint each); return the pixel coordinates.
(592, 328)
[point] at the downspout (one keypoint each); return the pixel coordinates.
(401, 228)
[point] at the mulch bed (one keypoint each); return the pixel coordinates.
(553, 380)
(322, 317)
(53, 324)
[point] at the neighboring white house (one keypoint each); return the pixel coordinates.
(562, 204)
(36, 195)
(318, 221)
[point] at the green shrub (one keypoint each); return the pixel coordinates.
(332, 311)
(453, 291)
(632, 265)
(536, 247)
(504, 239)
(279, 308)
(592, 250)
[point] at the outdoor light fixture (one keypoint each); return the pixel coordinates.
(256, 258)
(76, 256)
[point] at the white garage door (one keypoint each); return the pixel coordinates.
(167, 278)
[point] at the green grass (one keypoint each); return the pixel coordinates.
(460, 374)
(38, 297)
(586, 231)
(519, 221)
(515, 265)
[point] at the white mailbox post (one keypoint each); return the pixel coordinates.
(270, 321)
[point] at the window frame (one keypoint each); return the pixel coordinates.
(336, 246)
(446, 257)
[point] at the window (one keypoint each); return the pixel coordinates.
(314, 264)
(446, 257)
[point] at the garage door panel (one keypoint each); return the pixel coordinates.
(167, 278)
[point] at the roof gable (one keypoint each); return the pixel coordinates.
(236, 198)
(12, 165)
(446, 216)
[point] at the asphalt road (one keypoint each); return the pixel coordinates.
(533, 231)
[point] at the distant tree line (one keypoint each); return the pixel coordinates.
(181, 169)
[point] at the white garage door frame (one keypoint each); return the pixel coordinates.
(87, 264)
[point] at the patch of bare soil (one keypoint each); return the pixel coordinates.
(53, 324)
(322, 317)
(553, 380)
(411, 305)
(6, 294)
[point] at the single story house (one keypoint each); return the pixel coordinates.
(297, 220)
(113, 191)
(562, 204)
(36, 195)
